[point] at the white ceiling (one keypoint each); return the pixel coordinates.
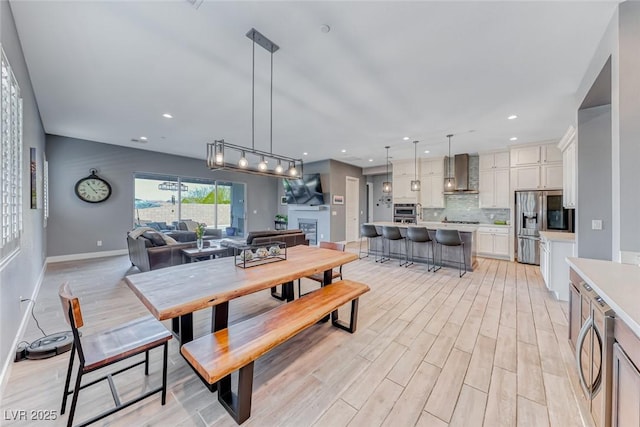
(106, 71)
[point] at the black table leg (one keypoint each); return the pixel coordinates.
(219, 316)
(175, 326)
(287, 291)
(326, 280)
(186, 328)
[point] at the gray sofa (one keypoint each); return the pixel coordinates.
(290, 237)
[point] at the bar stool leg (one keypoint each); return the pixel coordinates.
(436, 266)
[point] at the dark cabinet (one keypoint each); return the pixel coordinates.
(626, 378)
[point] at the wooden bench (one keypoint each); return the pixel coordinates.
(217, 355)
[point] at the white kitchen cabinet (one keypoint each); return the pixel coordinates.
(494, 188)
(568, 145)
(525, 178)
(551, 177)
(499, 160)
(525, 155)
(401, 189)
(431, 191)
(493, 242)
(555, 247)
(550, 153)
(432, 166)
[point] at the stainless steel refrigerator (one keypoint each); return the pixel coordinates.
(538, 211)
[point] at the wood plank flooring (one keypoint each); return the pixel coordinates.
(431, 349)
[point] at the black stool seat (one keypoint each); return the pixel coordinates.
(419, 235)
(370, 232)
(389, 233)
(451, 238)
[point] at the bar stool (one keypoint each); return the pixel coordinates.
(420, 235)
(451, 238)
(370, 232)
(390, 233)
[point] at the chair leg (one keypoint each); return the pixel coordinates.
(146, 362)
(464, 261)
(74, 400)
(437, 265)
(68, 380)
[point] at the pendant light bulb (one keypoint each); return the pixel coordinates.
(292, 169)
(279, 169)
(263, 164)
(449, 181)
(243, 162)
(386, 186)
(415, 183)
(219, 158)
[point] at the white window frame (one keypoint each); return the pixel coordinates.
(11, 122)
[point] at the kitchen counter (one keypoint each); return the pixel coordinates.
(557, 236)
(449, 254)
(618, 284)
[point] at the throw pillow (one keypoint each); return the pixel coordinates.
(155, 237)
(169, 240)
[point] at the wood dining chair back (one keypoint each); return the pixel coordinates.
(102, 349)
(319, 277)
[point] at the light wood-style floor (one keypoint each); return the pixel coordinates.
(430, 350)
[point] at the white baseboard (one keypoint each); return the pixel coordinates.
(88, 255)
(6, 369)
(628, 257)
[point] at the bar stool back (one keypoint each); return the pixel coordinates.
(371, 233)
(420, 235)
(392, 233)
(451, 238)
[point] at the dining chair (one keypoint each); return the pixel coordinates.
(104, 348)
(319, 277)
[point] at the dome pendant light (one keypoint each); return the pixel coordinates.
(449, 181)
(415, 184)
(386, 186)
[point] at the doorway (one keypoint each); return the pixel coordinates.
(352, 207)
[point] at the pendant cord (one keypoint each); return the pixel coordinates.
(271, 109)
(253, 93)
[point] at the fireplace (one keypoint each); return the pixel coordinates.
(310, 228)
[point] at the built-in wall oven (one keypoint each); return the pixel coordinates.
(591, 334)
(405, 213)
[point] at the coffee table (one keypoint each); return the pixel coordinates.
(195, 254)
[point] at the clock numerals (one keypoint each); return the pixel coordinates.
(93, 190)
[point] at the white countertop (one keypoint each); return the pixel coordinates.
(618, 284)
(558, 236)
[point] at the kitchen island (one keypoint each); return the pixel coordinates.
(450, 255)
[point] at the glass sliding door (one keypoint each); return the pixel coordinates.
(156, 201)
(161, 201)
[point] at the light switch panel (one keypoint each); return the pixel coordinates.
(596, 224)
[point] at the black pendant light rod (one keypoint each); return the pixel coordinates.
(415, 160)
(449, 159)
(253, 92)
(271, 109)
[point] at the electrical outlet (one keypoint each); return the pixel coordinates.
(322, 237)
(596, 224)
(99, 243)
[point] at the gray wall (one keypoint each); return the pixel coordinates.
(594, 182)
(339, 173)
(621, 42)
(75, 226)
(381, 211)
(629, 45)
(20, 274)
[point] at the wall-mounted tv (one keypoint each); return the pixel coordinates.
(304, 191)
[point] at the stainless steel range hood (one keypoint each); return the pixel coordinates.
(461, 170)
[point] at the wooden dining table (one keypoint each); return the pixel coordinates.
(177, 292)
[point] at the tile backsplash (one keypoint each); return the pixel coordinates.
(464, 207)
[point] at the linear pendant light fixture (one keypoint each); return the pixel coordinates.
(450, 180)
(223, 155)
(415, 184)
(386, 186)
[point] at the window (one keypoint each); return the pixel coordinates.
(10, 159)
(162, 201)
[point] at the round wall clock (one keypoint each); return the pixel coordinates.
(93, 189)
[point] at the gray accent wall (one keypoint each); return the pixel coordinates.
(75, 226)
(594, 182)
(381, 211)
(21, 272)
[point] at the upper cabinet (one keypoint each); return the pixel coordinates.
(403, 174)
(536, 167)
(494, 180)
(432, 182)
(569, 147)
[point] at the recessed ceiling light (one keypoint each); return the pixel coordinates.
(511, 117)
(426, 151)
(406, 138)
(167, 116)
(371, 160)
(343, 150)
(143, 138)
(305, 154)
(513, 138)
(325, 28)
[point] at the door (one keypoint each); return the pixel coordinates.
(352, 208)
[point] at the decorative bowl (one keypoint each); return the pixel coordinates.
(275, 250)
(262, 252)
(246, 255)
